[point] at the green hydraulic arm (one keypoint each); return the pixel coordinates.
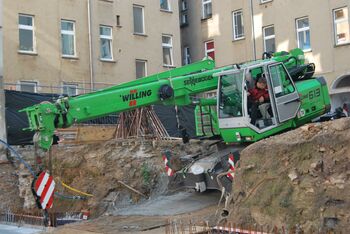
(173, 87)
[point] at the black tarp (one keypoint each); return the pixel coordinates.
(16, 121)
(167, 115)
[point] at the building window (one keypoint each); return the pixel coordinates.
(183, 5)
(211, 94)
(141, 68)
(118, 20)
(341, 26)
(167, 44)
(139, 24)
(68, 38)
(106, 40)
(269, 39)
(238, 28)
(187, 55)
(165, 5)
(265, 1)
(206, 9)
(184, 18)
(28, 86)
(26, 33)
(303, 33)
(210, 49)
(70, 89)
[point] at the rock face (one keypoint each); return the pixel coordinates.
(299, 179)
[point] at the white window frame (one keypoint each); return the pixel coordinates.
(170, 46)
(70, 85)
(235, 36)
(183, 5)
(27, 82)
(146, 69)
(304, 29)
(26, 27)
(211, 94)
(205, 2)
(110, 38)
(335, 22)
(207, 51)
(169, 6)
(143, 20)
(67, 32)
(265, 38)
(265, 1)
(187, 55)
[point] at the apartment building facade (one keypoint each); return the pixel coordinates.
(238, 31)
(3, 131)
(73, 47)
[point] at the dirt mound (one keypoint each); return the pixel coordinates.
(104, 170)
(298, 179)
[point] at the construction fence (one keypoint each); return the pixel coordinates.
(37, 219)
(200, 227)
(171, 117)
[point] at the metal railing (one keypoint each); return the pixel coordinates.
(58, 89)
(196, 226)
(20, 219)
(56, 219)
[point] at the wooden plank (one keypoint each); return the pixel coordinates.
(86, 134)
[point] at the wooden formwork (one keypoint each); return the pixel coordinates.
(86, 134)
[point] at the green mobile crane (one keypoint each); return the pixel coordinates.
(296, 97)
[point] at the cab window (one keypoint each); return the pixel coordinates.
(230, 104)
(281, 82)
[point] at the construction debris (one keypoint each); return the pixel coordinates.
(132, 189)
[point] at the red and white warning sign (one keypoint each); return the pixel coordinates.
(44, 187)
(231, 162)
(168, 169)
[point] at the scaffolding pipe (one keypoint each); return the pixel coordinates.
(91, 65)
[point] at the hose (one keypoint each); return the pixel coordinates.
(69, 197)
(75, 190)
(30, 169)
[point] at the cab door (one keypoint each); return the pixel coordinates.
(287, 101)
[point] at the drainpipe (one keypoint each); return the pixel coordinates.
(253, 28)
(3, 128)
(92, 79)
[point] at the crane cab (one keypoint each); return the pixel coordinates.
(249, 110)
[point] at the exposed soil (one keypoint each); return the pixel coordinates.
(103, 169)
(9, 199)
(299, 179)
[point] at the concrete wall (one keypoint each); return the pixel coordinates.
(49, 68)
